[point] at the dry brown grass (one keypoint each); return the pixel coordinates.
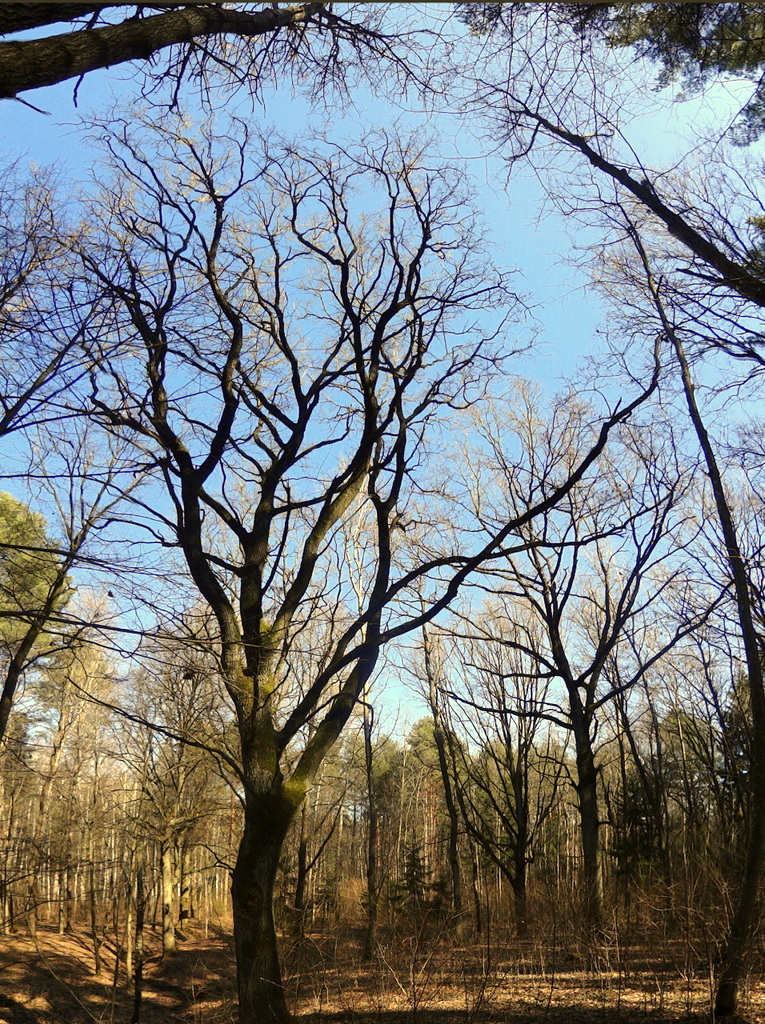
(439, 981)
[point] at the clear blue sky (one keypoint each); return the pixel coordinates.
(538, 248)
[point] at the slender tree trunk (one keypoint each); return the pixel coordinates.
(187, 901)
(7, 908)
(747, 907)
(117, 951)
(748, 902)
(65, 898)
(370, 937)
(129, 939)
(446, 779)
(168, 862)
(140, 910)
(94, 912)
(259, 978)
(476, 891)
(302, 873)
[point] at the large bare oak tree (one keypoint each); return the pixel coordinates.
(283, 340)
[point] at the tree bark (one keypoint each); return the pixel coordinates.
(302, 874)
(589, 818)
(30, 64)
(94, 913)
(476, 892)
(20, 17)
(446, 779)
(748, 901)
(140, 910)
(168, 871)
(521, 902)
(520, 869)
(259, 978)
(370, 937)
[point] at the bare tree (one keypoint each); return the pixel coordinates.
(590, 577)
(274, 366)
(749, 618)
(508, 786)
(41, 325)
(432, 657)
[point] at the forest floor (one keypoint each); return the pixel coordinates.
(411, 982)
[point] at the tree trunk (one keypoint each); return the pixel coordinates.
(589, 819)
(443, 764)
(521, 904)
(370, 937)
(31, 63)
(94, 913)
(748, 902)
(259, 978)
(519, 884)
(302, 874)
(168, 865)
(65, 898)
(186, 898)
(140, 910)
(129, 938)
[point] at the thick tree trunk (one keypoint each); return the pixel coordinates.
(259, 978)
(521, 906)
(519, 884)
(589, 818)
(31, 63)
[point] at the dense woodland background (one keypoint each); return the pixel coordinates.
(274, 457)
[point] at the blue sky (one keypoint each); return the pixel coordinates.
(538, 246)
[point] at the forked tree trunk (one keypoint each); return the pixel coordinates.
(259, 978)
